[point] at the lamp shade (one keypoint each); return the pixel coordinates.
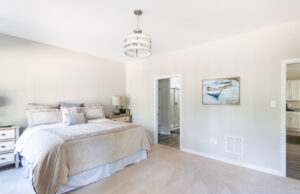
(116, 100)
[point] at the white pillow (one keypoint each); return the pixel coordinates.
(92, 113)
(33, 106)
(43, 116)
(93, 105)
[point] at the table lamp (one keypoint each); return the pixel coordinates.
(116, 101)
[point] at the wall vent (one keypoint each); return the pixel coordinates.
(234, 145)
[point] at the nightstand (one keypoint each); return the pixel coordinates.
(121, 117)
(8, 138)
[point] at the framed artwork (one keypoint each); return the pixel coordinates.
(224, 91)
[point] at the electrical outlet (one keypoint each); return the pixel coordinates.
(213, 141)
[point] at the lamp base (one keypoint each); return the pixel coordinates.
(116, 111)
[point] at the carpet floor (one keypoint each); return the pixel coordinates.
(170, 171)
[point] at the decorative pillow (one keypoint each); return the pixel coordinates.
(73, 115)
(69, 110)
(74, 119)
(68, 118)
(33, 106)
(78, 118)
(93, 112)
(63, 104)
(43, 116)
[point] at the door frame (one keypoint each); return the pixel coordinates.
(284, 64)
(156, 93)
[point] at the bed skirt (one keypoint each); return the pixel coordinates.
(95, 174)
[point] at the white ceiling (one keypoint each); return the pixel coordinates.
(98, 27)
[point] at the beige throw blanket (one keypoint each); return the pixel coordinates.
(55, 153)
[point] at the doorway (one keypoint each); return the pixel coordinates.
(293, 120)
(290, 118)
(168, 111)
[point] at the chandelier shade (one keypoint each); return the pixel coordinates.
(137, 44)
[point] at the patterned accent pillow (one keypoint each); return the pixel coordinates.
(73, 115)
(68, 118)
(79, 118)
(33, 106)
(43, 116)
(92, 113)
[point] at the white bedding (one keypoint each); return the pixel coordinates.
(89, 176)
(57, 151)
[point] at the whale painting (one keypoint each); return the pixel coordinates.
(221, 91)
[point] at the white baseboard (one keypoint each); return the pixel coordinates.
(234, 162)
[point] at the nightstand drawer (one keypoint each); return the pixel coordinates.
(7, 146)
(123, 119)
(7, 134)
(6, 158)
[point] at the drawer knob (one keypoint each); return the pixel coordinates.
(3, 134)
(3, 146)
(3, 158)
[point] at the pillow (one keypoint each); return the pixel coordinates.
(43, 116)
(92, 113)
(33, 106)
(78, 118)
(73, 115)
(74, 119)
(93, 105)
(69, 110)
(70, 105)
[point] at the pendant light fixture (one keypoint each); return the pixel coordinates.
(137, 45)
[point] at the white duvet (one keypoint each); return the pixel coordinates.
(57, 151)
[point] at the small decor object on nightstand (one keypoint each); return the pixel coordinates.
(116, 101)
(8, 137)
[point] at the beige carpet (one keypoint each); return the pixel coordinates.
(169, 171)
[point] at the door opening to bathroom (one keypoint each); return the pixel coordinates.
(168, 111)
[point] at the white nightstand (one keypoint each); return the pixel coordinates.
(8, 138)
(122, 117)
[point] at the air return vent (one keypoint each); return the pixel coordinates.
(234, 145)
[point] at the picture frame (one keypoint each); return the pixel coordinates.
(221, 91)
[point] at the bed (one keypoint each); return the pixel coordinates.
(58, 157)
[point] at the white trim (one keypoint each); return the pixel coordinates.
(156, 79)
(284, 64)
(234, 162)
